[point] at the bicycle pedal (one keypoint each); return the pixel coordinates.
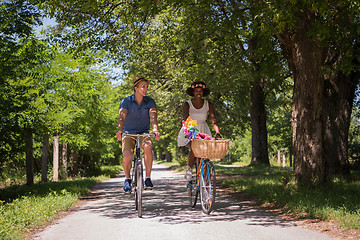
(148, 188)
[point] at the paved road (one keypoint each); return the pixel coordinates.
(166, 215)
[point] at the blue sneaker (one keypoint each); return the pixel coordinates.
(148, 184)
(127, 186)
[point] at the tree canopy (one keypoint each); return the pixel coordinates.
(47, 89)
(284, 71)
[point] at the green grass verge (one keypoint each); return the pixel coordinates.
(23, 208)
(338, 200)
(171, 165)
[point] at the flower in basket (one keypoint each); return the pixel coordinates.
(189, 127)
(204, 136)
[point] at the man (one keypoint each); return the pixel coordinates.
(135, 113)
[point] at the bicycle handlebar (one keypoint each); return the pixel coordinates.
(138, 135)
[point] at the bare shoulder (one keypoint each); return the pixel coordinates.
(185, 103)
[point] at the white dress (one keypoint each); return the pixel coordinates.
(200, 115)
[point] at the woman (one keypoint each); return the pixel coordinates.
(198, 109)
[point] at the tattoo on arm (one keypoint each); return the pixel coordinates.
(153, 118)
(121, 120)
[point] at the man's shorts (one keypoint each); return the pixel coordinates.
(128, 143)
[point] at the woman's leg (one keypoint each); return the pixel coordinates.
(191, 159)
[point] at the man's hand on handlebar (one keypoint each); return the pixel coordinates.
(119, 135)
(157, 135)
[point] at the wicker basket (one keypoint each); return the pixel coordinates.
(210, 148)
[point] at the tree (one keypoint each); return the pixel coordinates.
(46, 90)
(19, 54)
(81, 107)
(320, 41)
(44, 157)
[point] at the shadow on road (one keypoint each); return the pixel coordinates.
(168, 203)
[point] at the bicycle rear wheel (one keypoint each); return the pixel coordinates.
(207, 186)
(192, 188)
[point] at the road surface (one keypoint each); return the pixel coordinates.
(110, 214)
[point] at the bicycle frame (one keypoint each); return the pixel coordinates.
(199, 163)
(137, 178)
(137, 156)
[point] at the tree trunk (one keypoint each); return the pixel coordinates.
(161, 156)
(73, 161)
(279, 157)
(259, 142)
(307, 113)
(168, 156)
(80, 162)
(64, 161)
(155, 153)
(44, 157)
(284, 158)
(306, 58)
(338, 103)
(321, 108)
(29, 157)
(56, 159)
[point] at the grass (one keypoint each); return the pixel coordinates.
(171, 165)
(339, 200)
(24, 208)
(276, 186)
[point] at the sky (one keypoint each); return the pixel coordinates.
(115, 72)
(47, 22)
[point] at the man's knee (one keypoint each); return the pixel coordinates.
(147, 146)
(127, 154)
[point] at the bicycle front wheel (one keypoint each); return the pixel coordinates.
(207, 186)
(193, 189)
(134, 183)
(139, 189)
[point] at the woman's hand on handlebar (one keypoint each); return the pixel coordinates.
(218, 135)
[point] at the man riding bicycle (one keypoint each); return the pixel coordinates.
(135, 113)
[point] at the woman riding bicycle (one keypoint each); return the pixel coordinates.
(198, 109)
(135, 113)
